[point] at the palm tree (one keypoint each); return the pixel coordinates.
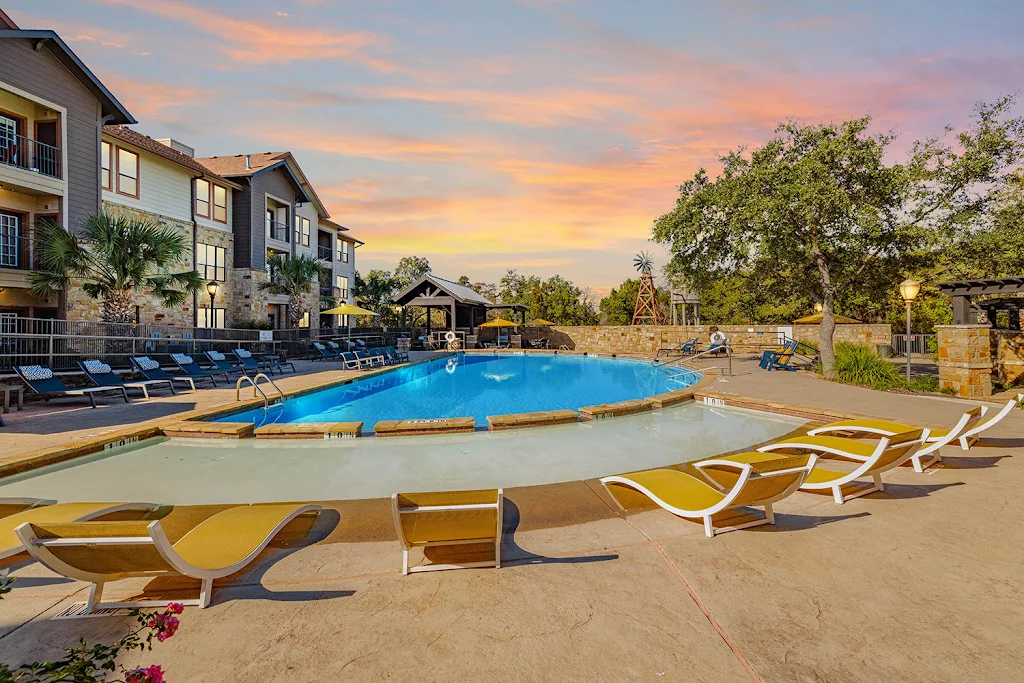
(294, 277)
(114, 257)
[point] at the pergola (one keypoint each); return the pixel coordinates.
(963, 290)
(465, 309)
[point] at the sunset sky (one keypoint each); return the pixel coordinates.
(541, 135)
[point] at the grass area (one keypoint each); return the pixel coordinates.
(859, 364)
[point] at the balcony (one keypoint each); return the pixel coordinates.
(30, 155)
(276, 230)
(325, 253)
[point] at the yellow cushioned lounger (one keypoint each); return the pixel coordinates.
(871, 459)
(100, 552)
(965, 429)
(712, 486)
(9, 506)
(448, 518)
(10, 544)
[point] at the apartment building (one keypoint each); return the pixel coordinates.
(277, 211)
(161, 182)
(51, 111)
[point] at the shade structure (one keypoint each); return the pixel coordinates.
(348, 309)
(500, 322)
(816, 320)
(539, 322)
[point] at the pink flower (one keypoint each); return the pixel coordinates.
(151, 674)
(164, 624)
(175, 608)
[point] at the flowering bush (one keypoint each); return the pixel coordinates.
(98, 663)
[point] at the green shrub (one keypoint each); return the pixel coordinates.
(860, 364)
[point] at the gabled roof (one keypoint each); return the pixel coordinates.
(461, 294)
(247, 165)
(49, 39)
(148, 144)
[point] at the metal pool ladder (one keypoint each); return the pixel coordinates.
(255, 381)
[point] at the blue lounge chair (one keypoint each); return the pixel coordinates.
(325, 353)
(400, 356)
(150, 369)
(778, 359)
(190, 367)
(246, 358)
(102, 376)
(372, 359)
(41, 380)
(221, 362)
(353, 361)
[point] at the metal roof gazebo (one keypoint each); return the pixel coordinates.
(963, 290)
(465, 309)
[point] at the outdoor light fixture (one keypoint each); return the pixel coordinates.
(818, 308)
(909, 290)
(211, 288)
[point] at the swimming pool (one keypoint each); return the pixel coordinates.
(475, 385)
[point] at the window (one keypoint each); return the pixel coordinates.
(9, 234)
(105, 176)
(341, 282)
(202, 198)
(270, 220)
(204, 317)
(302, 231)
(220, 204)
(127, 173)
(211, 262)
(343, 248)
(304, 320)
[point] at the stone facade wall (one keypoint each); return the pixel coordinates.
(965, 359)
(647, 339)
(248, 301)
(1007, 347)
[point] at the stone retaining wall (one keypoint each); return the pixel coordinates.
(965, 359)
(1007, 348)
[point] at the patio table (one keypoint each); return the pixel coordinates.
(18, 391)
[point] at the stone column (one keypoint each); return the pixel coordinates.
(965, 359)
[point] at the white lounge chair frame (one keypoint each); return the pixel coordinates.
(122, 507)
(932, 444)
(407, 545)
(39, 549)
(863, 469)
(746, 473)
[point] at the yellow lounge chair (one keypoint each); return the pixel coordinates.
(872, 459)
(448, 518)
(967, 437)
(9, 506)
(40, 512)
(101, 552)
(720, 484)
(933, 441)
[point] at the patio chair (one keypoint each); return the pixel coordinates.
(720, 484)
(684, 348)
(965, 431)
(221, 362)
(190, 367)
(353, 361)
(399, 355)
(101, 552)
(516, 341)
(369, 358)
(9, 506)
(42, 513)
(100, 374)
(778, 359)
(424, 520)
(325, 353)
(150, 369)
(246, 359)
(41, 380)
(871, 459)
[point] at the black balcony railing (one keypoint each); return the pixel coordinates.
(17, 252)
(29, 154)
(277, 230)
(325, 253)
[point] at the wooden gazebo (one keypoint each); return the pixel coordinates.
(963, 290)
(465, 309)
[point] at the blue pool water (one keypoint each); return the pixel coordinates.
(475, 386)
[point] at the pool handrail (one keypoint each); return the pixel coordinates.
(683, 360)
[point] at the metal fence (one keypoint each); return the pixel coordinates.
(920, 344)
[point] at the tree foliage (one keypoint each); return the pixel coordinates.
(819, 214)
(294, 277)
(555, 299)
(114, 257)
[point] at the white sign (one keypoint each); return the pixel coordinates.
(339, 435)
(122, 442)
(266, 335)
(717, 402)
(426, 422)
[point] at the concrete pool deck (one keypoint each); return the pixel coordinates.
(921, 582)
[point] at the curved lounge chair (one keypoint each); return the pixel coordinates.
(872, 459)
(967, 438)
(41, 513)
(9, 506)
(100, 552)
(720, 485)
(448, 518)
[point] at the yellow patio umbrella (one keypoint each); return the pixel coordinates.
(816, 320)
(348, 310)
(499, 323)
(539, 322)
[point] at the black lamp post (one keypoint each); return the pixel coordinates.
(211, 289)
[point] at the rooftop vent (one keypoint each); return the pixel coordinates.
(248, 163)
(178, 146)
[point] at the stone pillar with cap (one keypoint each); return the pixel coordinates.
(965, 359)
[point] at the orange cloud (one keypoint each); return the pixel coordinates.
(149, 99)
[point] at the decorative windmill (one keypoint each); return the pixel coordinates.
(646, 310)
